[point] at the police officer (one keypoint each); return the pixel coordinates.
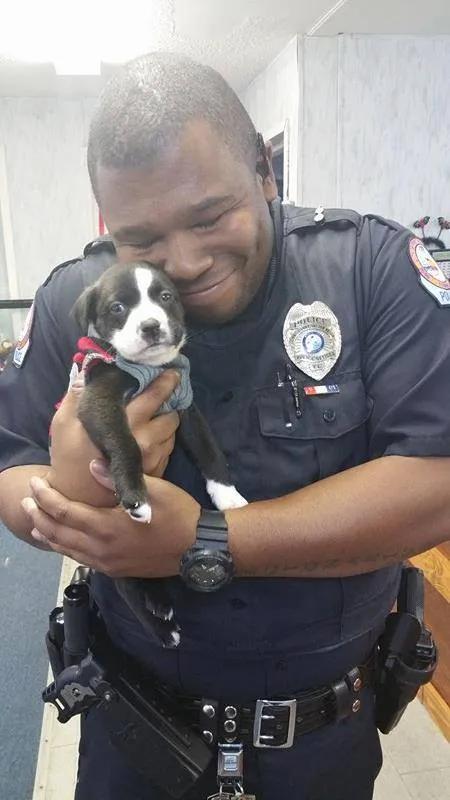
(320, 355)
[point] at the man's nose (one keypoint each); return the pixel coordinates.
(184, 259)
(150, 327)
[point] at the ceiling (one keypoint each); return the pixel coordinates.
(237, 37)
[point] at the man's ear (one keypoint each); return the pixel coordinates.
(85, 309)
(264, 167)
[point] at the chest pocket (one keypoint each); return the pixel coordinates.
(328, 437)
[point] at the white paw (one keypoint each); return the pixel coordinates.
(142, 513)
(224, 496)
(175, 639)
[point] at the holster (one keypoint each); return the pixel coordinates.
(142, 721)
(407, 654)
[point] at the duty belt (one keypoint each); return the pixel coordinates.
(276, 723)
(175, 733)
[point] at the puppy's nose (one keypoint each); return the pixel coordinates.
(150, 327)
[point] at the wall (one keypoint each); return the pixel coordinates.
(372, 134)
(51, 211)
(373, 122)
(272, 98)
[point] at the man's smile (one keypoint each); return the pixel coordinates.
(204, 295)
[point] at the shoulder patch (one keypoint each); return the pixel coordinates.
(431, 276)
(24, 342)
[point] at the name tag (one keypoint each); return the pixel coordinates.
(331, 388)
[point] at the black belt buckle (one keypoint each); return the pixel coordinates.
(274, 725)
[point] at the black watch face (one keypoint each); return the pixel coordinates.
(207, 572)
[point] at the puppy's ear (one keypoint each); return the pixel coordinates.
(85, 309)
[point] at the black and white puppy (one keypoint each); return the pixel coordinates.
(134, 313)
(135, 323)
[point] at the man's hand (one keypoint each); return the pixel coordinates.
(107, 540)
(72, 451)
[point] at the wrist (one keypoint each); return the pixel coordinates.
(243, 544)
(192, 520)
(207, 565)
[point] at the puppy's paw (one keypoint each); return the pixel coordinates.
(158, 609)
(140, 512)
(135, 502)
(224, 496)
(175, 639)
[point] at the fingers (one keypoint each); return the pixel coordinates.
(74, 389)
(63, 511)
(144, 407)
(49, 534)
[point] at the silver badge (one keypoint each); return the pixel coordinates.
(312, 338)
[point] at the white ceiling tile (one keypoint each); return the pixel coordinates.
(237, 37)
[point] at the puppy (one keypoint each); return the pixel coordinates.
(135, 325)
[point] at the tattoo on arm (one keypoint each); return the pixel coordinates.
(369, 563)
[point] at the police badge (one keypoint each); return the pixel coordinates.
(312, 338)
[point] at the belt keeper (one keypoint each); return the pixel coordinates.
(343, 698)
(355, 680)
(346, 694)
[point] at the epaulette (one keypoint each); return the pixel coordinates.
(102, 243)
(319, 217)
(97, 245)
(389, 223)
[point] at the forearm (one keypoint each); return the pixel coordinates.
(362, 519)
(14, 486)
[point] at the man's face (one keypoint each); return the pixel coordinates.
(200, 215)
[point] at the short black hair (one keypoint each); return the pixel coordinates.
(151, 99)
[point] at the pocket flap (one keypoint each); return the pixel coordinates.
(323, 416)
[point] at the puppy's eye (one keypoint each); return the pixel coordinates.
(166, 296)
(117, 308)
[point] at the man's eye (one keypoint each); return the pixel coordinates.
(166, 296)
(143, 245)
(117, 308)
(209, 223)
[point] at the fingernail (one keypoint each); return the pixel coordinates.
(100, 467)
(28, 505)
(38, 536)
(73, 375)
(38, 483)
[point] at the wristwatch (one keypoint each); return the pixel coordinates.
(208, 565)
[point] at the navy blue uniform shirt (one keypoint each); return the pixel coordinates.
(393, 375)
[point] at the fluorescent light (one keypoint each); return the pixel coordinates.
(81, 64)
(77, 37)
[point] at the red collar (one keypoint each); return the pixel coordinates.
(87, 346)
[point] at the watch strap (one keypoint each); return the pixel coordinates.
(212, 531)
